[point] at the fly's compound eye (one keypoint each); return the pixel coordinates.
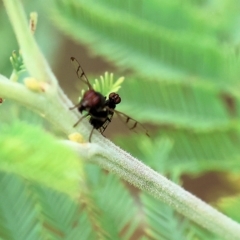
(114, 97)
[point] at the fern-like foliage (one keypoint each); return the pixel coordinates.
(18, 210)
(184, 64)
(162, 222)
(177, 105)
(39, 208)
(105, 85)
(31, 211)
(118, 210)
(51, 199)
(17, 62)
(189, 89)
(63, 217)
(178, 152)
(156, 38)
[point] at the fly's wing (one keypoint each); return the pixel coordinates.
(107, 121)
(79, 71)
(131, 123)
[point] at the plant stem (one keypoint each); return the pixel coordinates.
(113, 159)
(34, 61)
(47, 105)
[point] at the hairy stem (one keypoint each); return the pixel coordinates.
(136, 173)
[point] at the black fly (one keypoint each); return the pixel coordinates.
(98, 107)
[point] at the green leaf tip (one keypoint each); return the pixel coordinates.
(35, 155)
(106, 84)
(17, 64)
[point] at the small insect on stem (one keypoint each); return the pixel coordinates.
(99, 108)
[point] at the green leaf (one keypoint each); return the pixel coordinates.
(119, 212)
(176, 151)
(19, 213)
(17, 63)
(105, 85)
(156, 38)
(178, 105)
(37, 156)
(30, 211)
(162, 222)
(62, 215)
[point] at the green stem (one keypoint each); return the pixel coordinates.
(34, 61)
(14, 76)
(47, 105)
(115, 160)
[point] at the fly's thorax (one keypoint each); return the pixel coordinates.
(92, 99)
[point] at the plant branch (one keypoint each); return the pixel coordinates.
(47, 105)
(141, 176)
(34, 61)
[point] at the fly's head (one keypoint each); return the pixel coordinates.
(113, 100)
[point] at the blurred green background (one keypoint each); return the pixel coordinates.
(181, 65)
